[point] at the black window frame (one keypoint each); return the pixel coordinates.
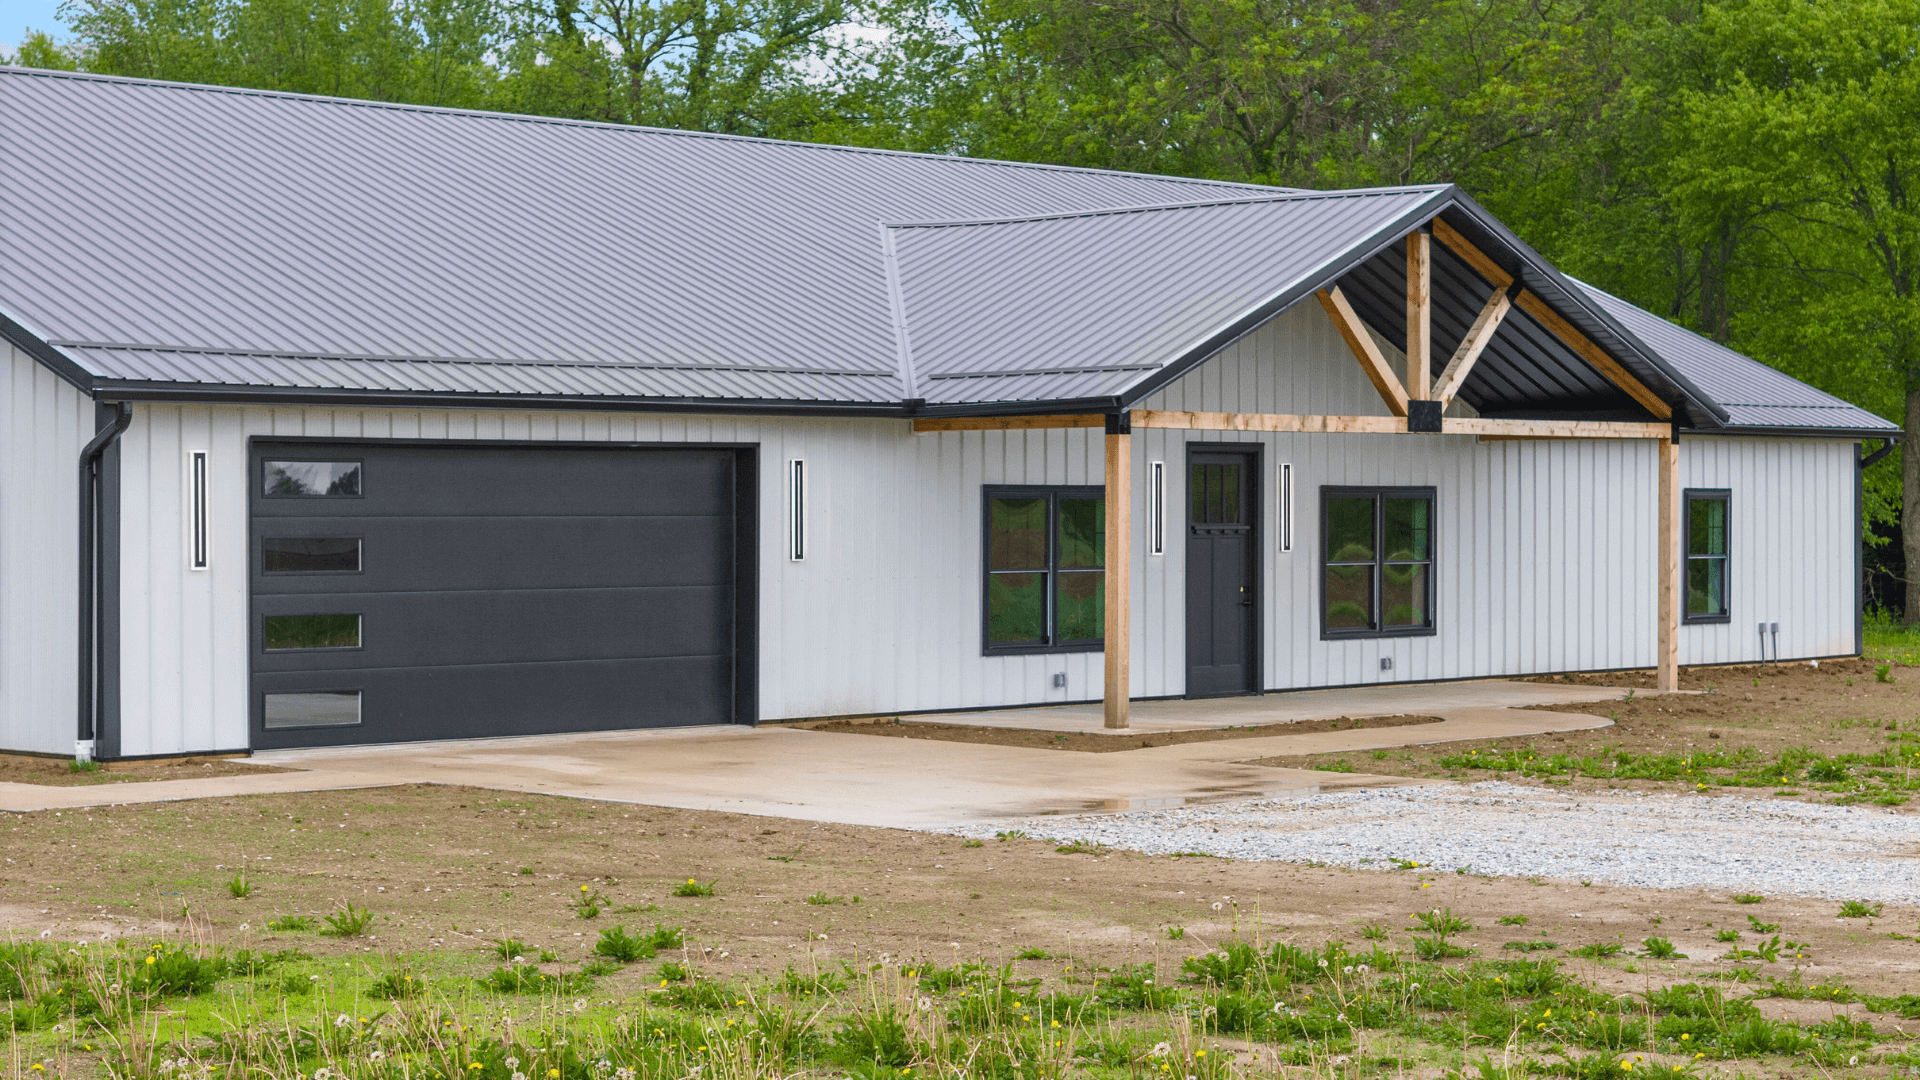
(1432, 561)
(1053, 493)
(1688, 496)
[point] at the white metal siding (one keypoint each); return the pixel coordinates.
(44, 421)
(1791, 546)
(1545, 550)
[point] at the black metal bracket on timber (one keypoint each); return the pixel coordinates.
(1120, 423)
(1423, 416)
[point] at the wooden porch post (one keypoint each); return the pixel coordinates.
(1667, 658)
(1119, 563)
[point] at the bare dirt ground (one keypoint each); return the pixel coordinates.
(58, 772)
(1099, 744)
(451, 869)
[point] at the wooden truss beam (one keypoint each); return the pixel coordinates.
(1419, 315)
(1394, 425)
(1471, 347)
(1594, 354)
(1488, 428)
(1347, 321)
(1485, 427)
(1568, 334)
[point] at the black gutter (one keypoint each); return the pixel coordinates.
(1888, 442)
(91, 572)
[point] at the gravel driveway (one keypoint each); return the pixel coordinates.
(1647, 841)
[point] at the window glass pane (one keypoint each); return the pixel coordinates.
(1229, 494)
(1197, 486)
(1706, 586)
(310, 555)
(334, 708)
(312, 631)
(1016, 608)
(1017, 535)
(1081, 606)
(1403, 595)
(1350, 597)
(319, 479)
(1707, 527)
(1408, 528)
(1349, 529)
(1083, 532)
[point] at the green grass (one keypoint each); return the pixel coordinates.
(1888, 640)
(1887, 775)
(103, 1009)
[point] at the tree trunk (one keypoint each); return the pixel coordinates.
(1910, 511)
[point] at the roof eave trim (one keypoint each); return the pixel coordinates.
(146, 391)
(49, 357)
(1896, 435)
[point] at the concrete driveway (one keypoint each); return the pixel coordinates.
(868, 780)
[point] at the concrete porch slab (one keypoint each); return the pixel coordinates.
(1154, 717)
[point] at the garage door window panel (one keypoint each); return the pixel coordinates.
(310, 555)
(284, 479)
(324, 708)
(281, 633)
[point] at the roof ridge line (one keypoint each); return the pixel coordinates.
(559, 121)
(1279, 195)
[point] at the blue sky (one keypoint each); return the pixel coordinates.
(17, 15)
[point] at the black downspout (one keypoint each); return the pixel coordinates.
(90, 573)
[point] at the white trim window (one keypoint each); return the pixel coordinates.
(196, 510)
(797, 510)
(1156, 508)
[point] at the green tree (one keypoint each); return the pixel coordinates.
(1798, 156)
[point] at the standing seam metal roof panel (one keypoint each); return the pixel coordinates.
(1755, 395)
(1089, 293)
(153, 214)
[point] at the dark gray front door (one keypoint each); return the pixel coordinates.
(409, 592)
(1222, 590)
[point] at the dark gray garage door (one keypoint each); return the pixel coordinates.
(409, 592)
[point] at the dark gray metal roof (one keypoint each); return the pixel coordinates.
(1757, 398)
(1081, 305)
(182, 241)
(161, 232)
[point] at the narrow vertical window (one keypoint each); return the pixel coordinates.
(1156, 508)
(197, 510)
(797, 510)
(1284, 501)
(1707, 552)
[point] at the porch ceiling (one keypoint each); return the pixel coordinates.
(1525, 370)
